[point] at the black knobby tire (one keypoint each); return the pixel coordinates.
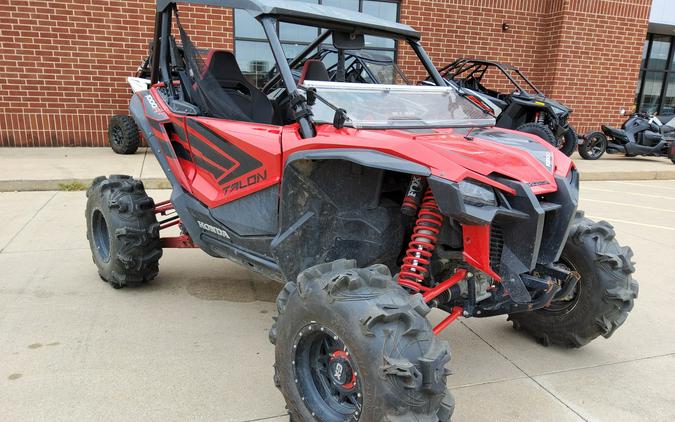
(542, 131)
(399, 361)
(123, 135)
(123, 231)
(594, 146)
(569, 142)
(671, 152)
(603, 297)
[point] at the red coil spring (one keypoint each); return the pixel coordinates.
(423, 241)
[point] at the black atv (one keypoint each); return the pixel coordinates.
(515, 101)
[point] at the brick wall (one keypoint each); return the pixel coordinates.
(64, 63)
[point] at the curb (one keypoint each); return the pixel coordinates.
(604, 176)
(161, 183)
(58, 185)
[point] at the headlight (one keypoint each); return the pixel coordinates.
(476, 193)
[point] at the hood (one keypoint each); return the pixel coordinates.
(455, 154)
(558, 107)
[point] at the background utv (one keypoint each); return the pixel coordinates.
(331, 187)
(515, 102)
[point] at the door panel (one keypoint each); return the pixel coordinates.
(232, 159)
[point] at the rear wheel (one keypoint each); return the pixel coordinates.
(569, 141)
(123, 231)
(542, 131)
(671, 152)
(123, 135)
(603, 297)
(353, 345)
(594, 146)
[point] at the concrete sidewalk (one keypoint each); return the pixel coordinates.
(38, 169)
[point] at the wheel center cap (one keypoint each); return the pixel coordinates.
(341, 371)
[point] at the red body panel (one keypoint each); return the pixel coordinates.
(446, 152)
(216, 177)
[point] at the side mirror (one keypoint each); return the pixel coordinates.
(348, 41)
(622, 112)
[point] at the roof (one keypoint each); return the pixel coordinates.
(309, 14)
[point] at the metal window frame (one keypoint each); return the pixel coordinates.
(666, 73)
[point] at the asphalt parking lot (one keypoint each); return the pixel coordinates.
(192, 345)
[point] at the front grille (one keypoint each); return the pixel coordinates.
(496, 247)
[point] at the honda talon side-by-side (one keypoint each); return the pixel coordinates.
(372, 203)
(514, 100)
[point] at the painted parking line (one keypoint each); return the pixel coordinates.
(642, 185)
(623, 204)
(586, 188)
(615, 220)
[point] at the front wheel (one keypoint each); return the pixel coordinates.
(353, 345)
(123, 231)
(569, 142)
(542, 131)
(594, 146)
(601, 300)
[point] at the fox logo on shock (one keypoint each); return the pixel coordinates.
(212, 229)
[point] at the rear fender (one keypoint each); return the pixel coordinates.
(332, 207)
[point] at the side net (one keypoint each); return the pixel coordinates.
(202, 87)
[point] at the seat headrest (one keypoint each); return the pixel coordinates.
(314, 70)
(221, 63)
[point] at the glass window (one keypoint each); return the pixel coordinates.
(292, 50)
(388, 11)
(246, 26)
(644, 51)
(658, 57)
(651, 95)
(657, 69)
(255, 60)
(344, 4)
(384, 10)
(669, 100)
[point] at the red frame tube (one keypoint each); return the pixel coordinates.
(179, 242)
(456, 313)
(433, 293)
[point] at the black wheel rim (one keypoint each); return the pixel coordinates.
(567, 304)
(326, 375)
(101, 235)
(116, 135)
(595, 146)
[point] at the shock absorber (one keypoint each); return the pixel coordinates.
(422, 244)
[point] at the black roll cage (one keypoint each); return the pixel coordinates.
(160, 70)
(478, 67)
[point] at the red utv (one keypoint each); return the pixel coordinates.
(373, 203)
